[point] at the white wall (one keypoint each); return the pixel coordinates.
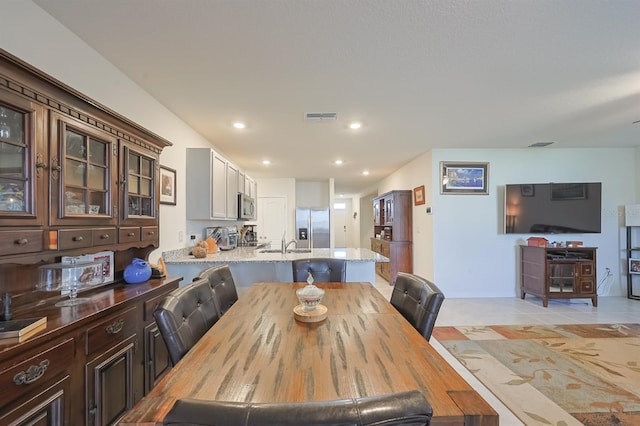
(34, 36)
(461, 246)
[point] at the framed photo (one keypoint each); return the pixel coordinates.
(527, 190)
(464, 178)
(167, 186)
(634, 266)
(418, 195)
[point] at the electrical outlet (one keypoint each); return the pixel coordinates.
(180, 236)
(193, 238)
(608, 271)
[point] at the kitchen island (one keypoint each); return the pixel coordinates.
(250, 264)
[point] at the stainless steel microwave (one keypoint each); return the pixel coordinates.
(246, 207)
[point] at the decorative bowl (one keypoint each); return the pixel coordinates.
(310, 297)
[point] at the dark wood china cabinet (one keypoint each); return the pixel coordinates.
(76, 178)
(393, 235)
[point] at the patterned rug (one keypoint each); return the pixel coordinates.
(555, 374)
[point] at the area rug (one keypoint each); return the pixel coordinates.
(555, 374)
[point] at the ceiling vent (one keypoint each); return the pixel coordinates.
(540, 144)
(321, 116)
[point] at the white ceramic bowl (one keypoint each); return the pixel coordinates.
(310, 297)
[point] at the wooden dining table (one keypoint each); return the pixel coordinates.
(258, 352)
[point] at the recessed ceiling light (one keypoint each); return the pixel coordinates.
(365, 172)
(239, 125)
(338, 162)
(355, 125)
(266, 162)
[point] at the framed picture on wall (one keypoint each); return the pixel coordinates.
(418, 195)
(464, 178)
(167, 186)
(634, 266)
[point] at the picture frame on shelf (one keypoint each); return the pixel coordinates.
(167, 186)
(464, 178)
(634, 266)
(418, 195)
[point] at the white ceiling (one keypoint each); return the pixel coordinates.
(419, 75)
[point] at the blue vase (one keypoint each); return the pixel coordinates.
(137, 272)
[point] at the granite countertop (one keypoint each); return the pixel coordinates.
(251, 254)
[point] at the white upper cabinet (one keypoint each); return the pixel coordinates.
(232, 191)
(213, 184)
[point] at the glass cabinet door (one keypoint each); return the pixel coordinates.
(22, 188)
(562, 277)
(139, 195)
(82, 173)
(86, 174)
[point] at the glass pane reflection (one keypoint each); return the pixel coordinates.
(97, 177)
(97, 152)
(76, 145)
(146, 207)
(75, 172)
(11, 124)
(134, 164)
(12, 195)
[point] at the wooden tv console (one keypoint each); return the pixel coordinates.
(558, 273)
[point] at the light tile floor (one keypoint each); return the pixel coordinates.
(513, 310)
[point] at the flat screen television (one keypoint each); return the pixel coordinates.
(553, 208)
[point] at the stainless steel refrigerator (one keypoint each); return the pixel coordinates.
(312, 227)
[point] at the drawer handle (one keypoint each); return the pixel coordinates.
(115, 327)
(151, 233)
(21, 241)
(77, 238)
(104, 236)
(33, 373)
(131, 234)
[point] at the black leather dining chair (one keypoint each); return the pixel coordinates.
(418, 300)
(403, 408)
(322, 269)
(222, 285)
(184, 316)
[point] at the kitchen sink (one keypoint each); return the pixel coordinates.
(288, 251)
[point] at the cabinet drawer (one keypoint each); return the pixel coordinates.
(129, 235)
(110, 331)
(74, 238)
(586, 269)
(15, 242)
(150, 233)
(32, 372)
(586, 286)
(104, 236)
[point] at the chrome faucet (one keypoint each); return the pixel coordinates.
(294, 242)
(285, 245)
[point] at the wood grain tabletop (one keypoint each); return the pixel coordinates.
(257, 352)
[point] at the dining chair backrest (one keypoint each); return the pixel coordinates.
(222, 285)
(418, 300)
(403, 408)
(184, 316)
(322, 269)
